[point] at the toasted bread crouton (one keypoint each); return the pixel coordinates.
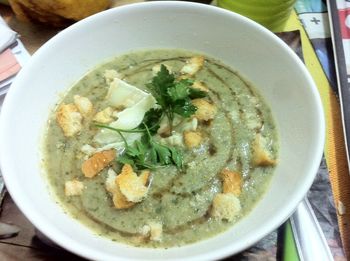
(83, 104)
(225, 206)
(145, 230)
(156, 231)
(97, 162)
(153, 230)
(193, 65)
(69, 119)
(111, 185)
(260, 155)
(73, 188)
(192, 138)
(119, 200)
(205, 110)
(200, 86)
(133, 187)
(231, 182)
(144, 176)
(104, 116)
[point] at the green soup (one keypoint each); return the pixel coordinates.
(179, 200)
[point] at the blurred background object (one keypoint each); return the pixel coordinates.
(56, 12)
(272, 14)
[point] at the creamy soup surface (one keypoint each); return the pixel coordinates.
(196, 176)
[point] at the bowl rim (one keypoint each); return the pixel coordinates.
(63, 239)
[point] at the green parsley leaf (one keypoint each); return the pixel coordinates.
(151, 119)
(132, 151)
(126, 159)
(163, 153)
(146, 153)
(174, 96)
(185, 108)
(196, 93)
(141, 147)
(160, 85)
(180, 90)
(176, 157)
(152, 155)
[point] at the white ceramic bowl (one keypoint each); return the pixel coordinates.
(256, 53)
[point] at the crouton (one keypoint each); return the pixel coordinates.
(73, 188)
(193, 65)
(192, 138)
(83, 104)
(260, 154)
(156, 231)
(69, 119)
(205, 110)
(200, 86)
(231, 182)
(144, 176)
(153, 230)
(225, 206)
(97, 162)
(111, 185)
(145, 230)
(133, 187)
(104, 116)
(119, 200)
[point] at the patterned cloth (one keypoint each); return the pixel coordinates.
(331, 188)
(313, 14)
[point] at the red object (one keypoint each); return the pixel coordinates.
(344, 17)
(8, 65)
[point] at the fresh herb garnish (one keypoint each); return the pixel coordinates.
(174, 97)
(147, 153)
(151, 119)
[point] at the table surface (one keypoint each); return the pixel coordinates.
(26, 245)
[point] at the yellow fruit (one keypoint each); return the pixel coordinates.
(56, 12)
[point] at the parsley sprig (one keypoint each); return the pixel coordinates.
(146, 153)
(174, 97)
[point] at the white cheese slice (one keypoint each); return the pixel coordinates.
(136, 103)
(128, 119)
(119, 144)
(122, 94)
(111, 139)
(132, 117)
